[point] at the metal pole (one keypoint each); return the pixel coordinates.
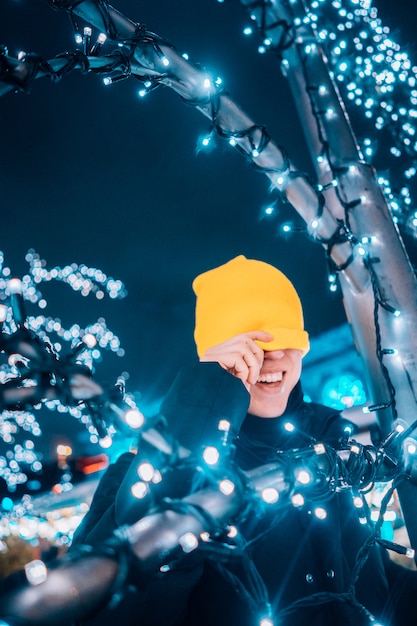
(382, 313)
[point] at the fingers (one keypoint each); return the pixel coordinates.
(240, 355)
(260, 335)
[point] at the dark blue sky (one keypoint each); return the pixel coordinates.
(93, 174)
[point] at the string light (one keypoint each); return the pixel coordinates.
(320, 513)
(227, 487)
(146, 472)
(188, 542)
(303, 476)
(211, 455)
(270, 495)
(36, 572)
(139, 490)
(289, 427)
(87, 344)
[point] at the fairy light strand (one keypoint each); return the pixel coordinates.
(53, 335)
(378, 82)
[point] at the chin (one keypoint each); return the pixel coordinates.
(263, 410)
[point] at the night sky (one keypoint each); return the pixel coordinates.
(95, 175)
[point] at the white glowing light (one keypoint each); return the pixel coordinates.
(289, 427)
(188, 542)
(320, 448)
(280, 180)
(63, 450)
(355, 449)
(207, 83)
(107, 80)
(139, 490)
(211, 455)
(270, 495)
(227, 487)
(247, 31)
(297, 500)
(205, 536)
(224, 425)
(101, 38)
(146, 471)
(303, 476)
(3, 312)
(157, 477)
(36, 572)
(269, 210)
(134, 418)
(90, 340)
(265, 621)
(358, 502)
(309, 48)
(15, 286)
(411, 448)
(320, 512)
(165, 61)
(232, 532)
(87, 31)
(78, 38)
(106, 442)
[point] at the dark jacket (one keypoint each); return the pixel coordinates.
(301, 564)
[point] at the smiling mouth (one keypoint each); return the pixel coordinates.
(272, 377)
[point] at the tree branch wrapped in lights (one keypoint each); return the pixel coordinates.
(42, 376)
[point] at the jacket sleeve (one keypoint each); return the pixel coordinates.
(101, 512)
(402, 583)
(200, 397)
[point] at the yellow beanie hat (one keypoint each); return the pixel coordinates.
(245, 295)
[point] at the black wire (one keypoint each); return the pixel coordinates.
(379, 351)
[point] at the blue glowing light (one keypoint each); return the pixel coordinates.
(344, 391)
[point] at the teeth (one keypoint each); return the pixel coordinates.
(274, 377)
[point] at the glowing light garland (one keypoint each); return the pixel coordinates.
(41, 339)
(378, 283)
(377, 79)
(255, 142)
(203, 520)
